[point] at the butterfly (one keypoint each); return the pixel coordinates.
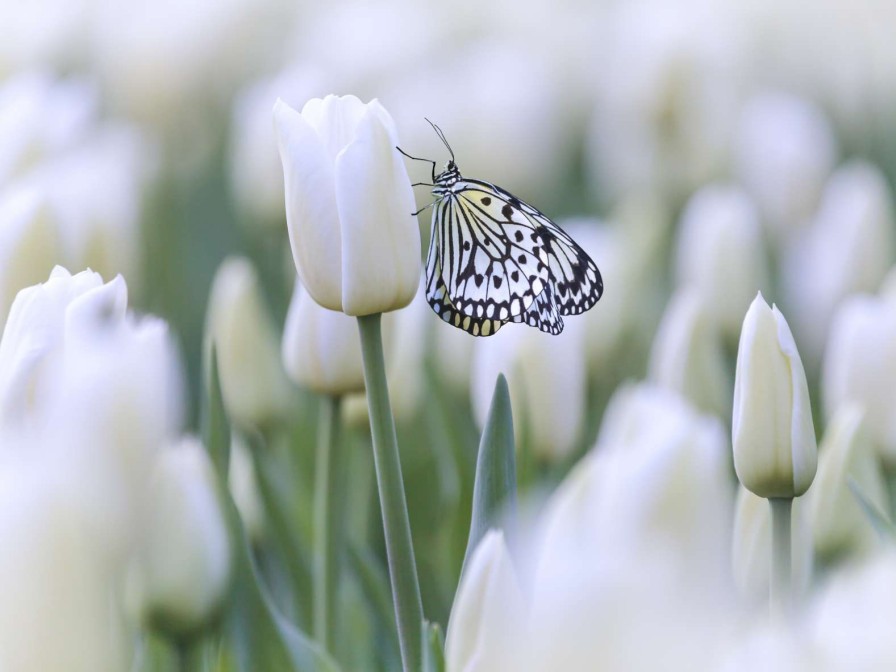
(494, 259)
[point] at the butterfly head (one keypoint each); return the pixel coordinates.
(445, 181)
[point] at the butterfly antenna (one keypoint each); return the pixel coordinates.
(441, 137)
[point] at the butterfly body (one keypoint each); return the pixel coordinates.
(494, 259)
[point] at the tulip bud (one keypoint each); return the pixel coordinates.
(784, 150)
(848, 248)
(845, 455)
(243, 484)
(775, 454)
(688, 357)
(183, 568)
(487, 608)
(348, 205)
(721, 252)
(860, 366)
(252, 381)
(29, 243)
(321, 347)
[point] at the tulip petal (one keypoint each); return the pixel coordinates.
(311, 213)
(381, 248)
(335, 120)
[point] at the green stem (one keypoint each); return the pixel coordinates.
(188, 656)
(396, 526)
(329, 515)
(781, 590)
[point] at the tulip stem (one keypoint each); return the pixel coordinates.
(329, 513)
(780, 588)
(396, 526)
(188, 656)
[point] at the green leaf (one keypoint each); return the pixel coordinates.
(433, 648)
(375, 587)
(215, 425)
(878, 519)
(494, 489)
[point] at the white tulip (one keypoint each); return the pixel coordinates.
(784, 150)
(848, 248)
(846, 455)
(237, 323)
(243, 484)
(488, 610)
(860, 365)
(348, 205)
(29, 243)
(547, 384)
(321, 347)
(775, 453)
(721, 252)
(41, 320)
(688, 356)
(773, 649)
(182, 569)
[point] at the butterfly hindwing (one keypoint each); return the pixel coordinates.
(543, 314)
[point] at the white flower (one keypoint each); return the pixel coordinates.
(182, 568)
(845, 456)
(321, 347)
(775, 454)
(860, 365)
(848, 248)
(243, 484)
(721, 253)
(488, 608)
(348, 205)
(688, 356)
(784, 150)
(547, 384)
(237, 323)
(29, 243)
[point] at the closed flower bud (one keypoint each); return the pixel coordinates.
(321, 347)
(721, 252)
(488, 609)
(845, 456)
(252, 380)
(183, 566)
(348, 205)
(688, 356)
(775, 454)
(860, 367)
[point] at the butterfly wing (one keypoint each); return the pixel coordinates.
(577, 281)
(492, 260)
(437, 297)
(543, 314)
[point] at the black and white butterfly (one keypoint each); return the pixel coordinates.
(494, 259)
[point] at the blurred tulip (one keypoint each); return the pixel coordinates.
(237, 323)
(256, 171)
(846, 456)
(848, 248)
(488, 609)
(860, 365)
(348, 205)
(60, 609)
(784, 149)
(453, 354)
(775, 454)
(721, 253)
(688, 357)
(751, 548)
(406, 335)
(850, 619)
(29, 243)
(182, 570)
(547, 384)
(41, 321)
(773, 649)
(321, 347)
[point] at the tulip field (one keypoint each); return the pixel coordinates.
(493, 337)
